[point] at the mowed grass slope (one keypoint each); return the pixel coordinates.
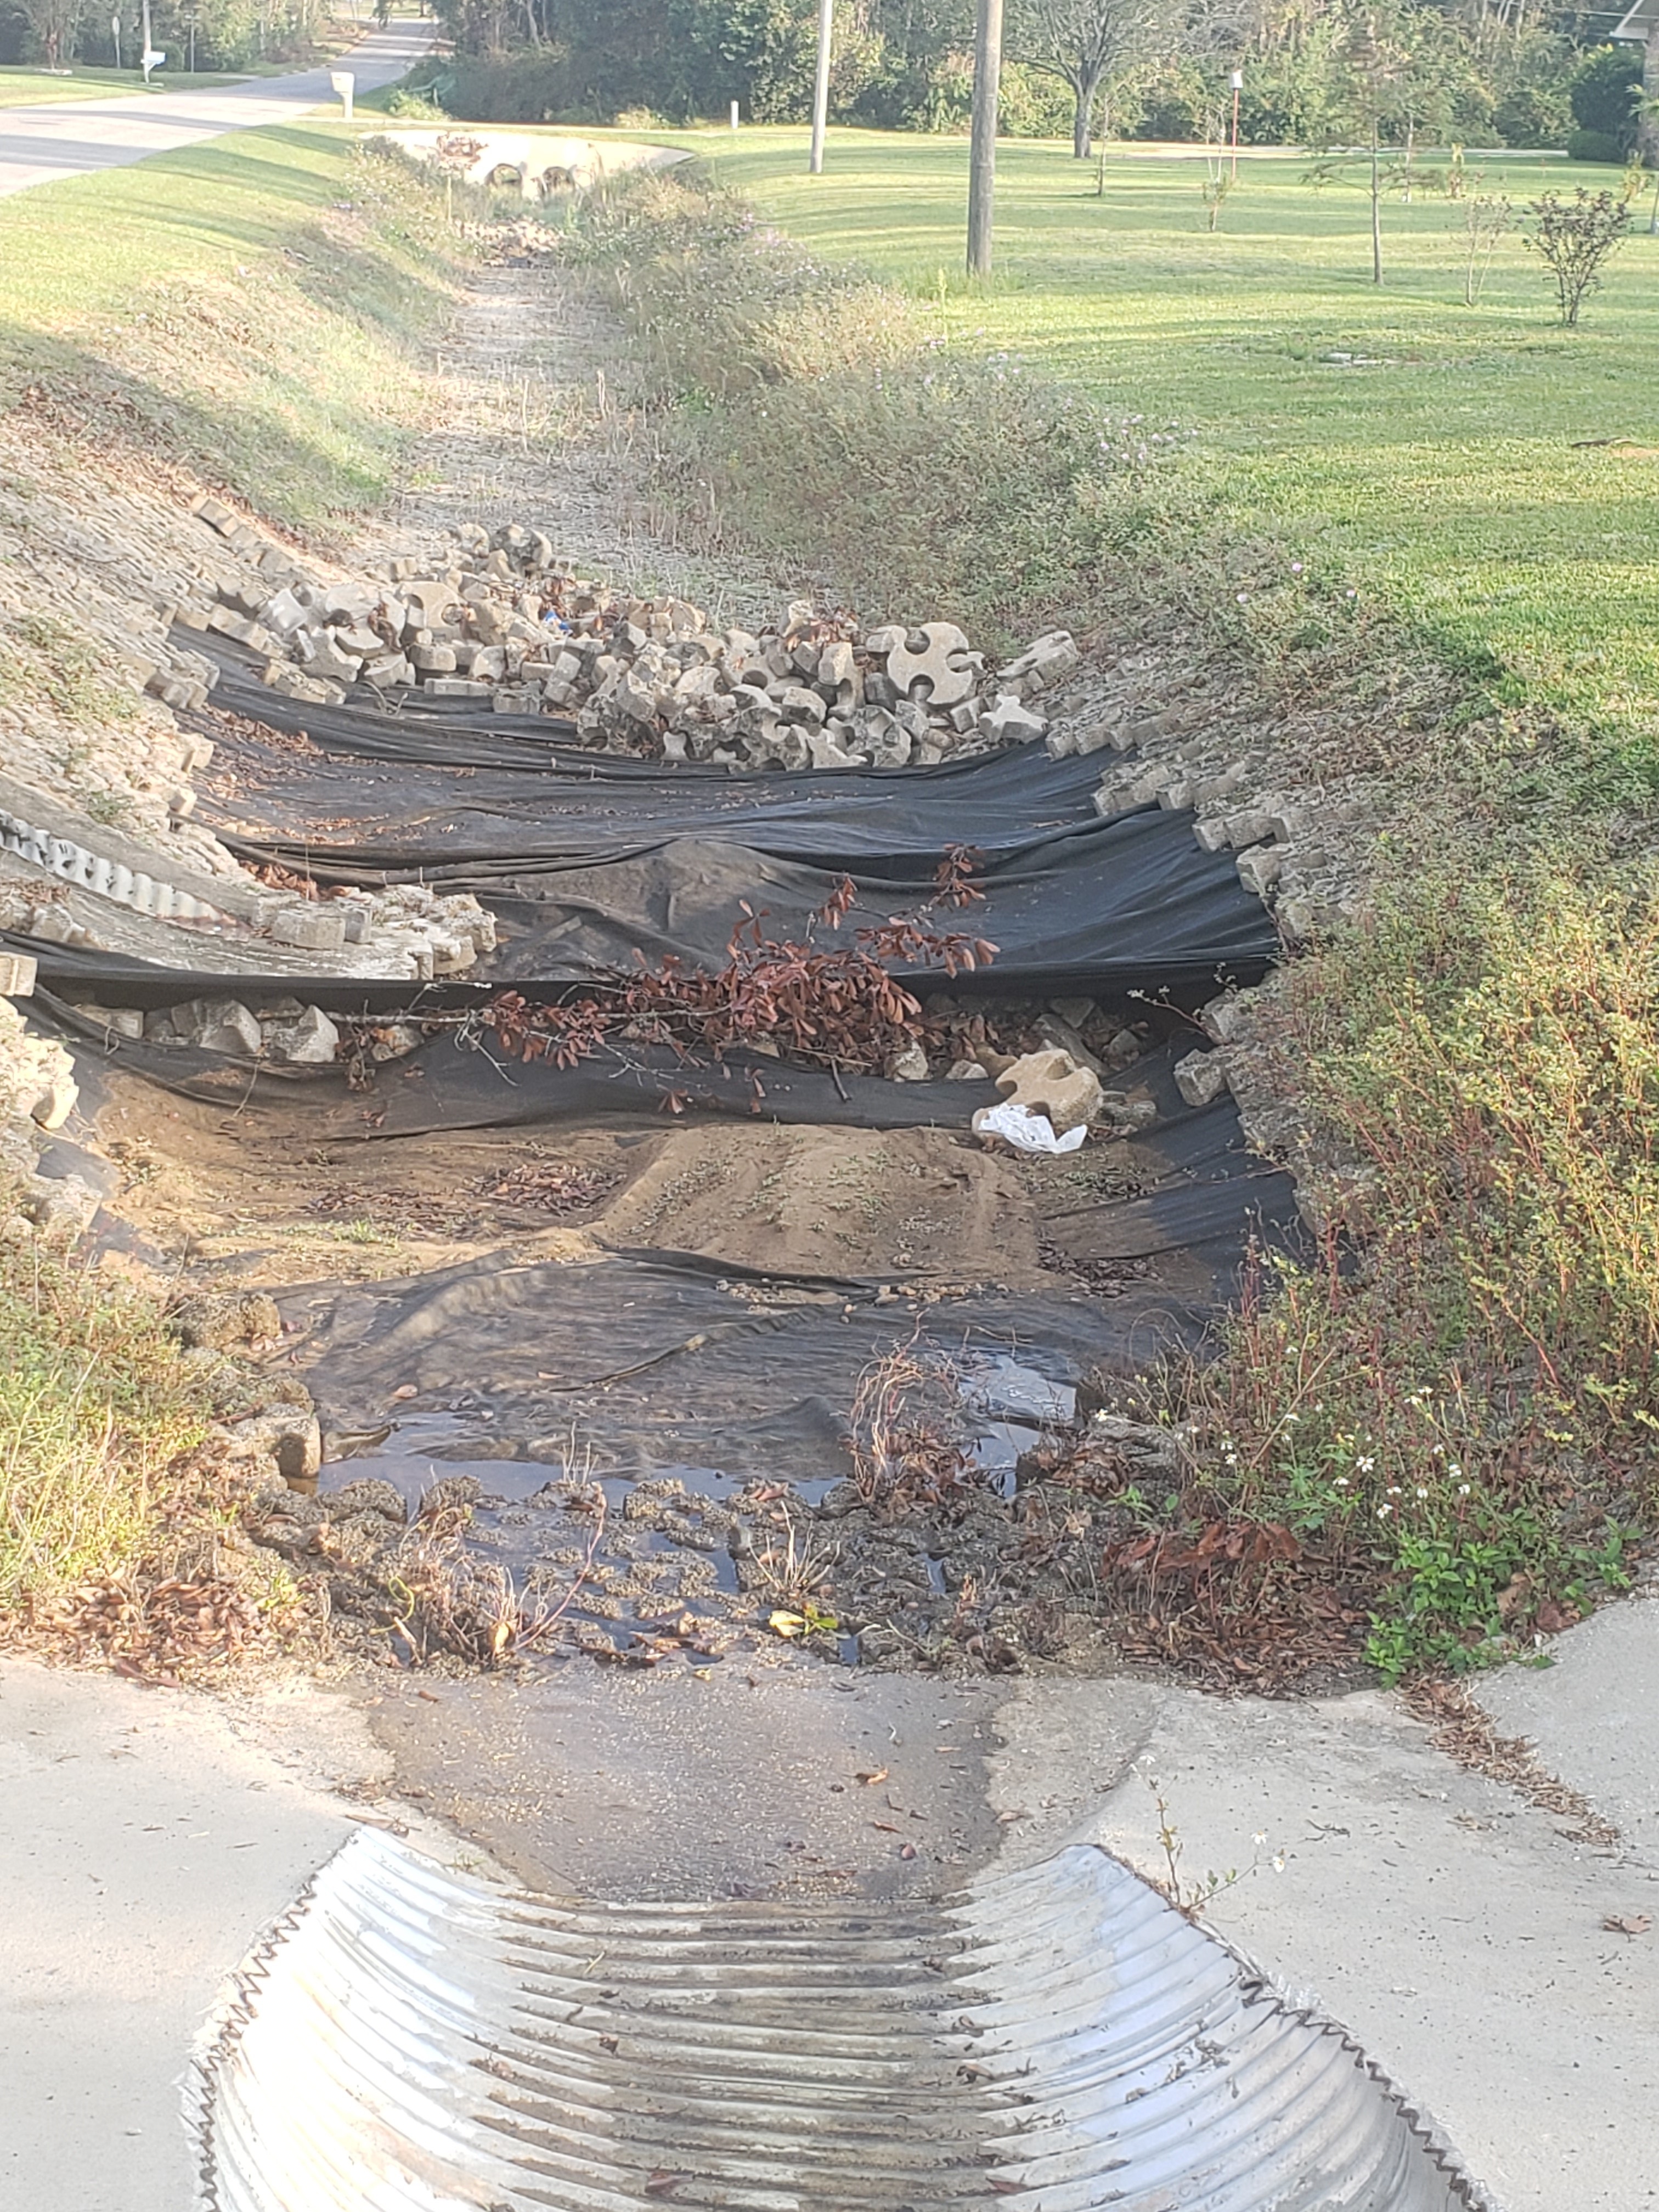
(256, 307)
(1439, 469)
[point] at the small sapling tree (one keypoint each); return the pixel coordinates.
(1575, 239)
(1483, 220)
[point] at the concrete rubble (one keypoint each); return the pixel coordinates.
(510, 626)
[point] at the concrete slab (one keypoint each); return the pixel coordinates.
(146, 1844)
(72, 138)
(1593, 1715)
(1454, 1929)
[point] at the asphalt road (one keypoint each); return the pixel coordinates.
(74, 138)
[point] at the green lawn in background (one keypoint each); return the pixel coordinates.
(1441, 472)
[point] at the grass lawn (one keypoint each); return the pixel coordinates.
(38, 88)
(1439, 466)
(253, 306)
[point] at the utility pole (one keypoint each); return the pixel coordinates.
(982, 144)
(821, 87)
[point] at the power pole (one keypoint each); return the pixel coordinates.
(821, 87)
(983, 145)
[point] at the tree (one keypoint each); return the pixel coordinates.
(56, 24)
(1087, 44)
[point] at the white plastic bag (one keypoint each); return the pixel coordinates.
(1025, 1131)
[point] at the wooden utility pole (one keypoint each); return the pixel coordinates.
(821, 87)
(983, 145)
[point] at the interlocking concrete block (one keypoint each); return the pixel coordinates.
(1259, 868)
(1010, 721)
(310, 925)
(1053, 1084)
(456, 687)
(940, 670)
(17, 974)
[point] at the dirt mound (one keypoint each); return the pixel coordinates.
(835, 1201)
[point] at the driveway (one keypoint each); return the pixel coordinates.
(71, 139)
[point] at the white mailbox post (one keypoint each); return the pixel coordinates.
(344, 83)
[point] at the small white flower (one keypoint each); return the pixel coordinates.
(1364, 1465)
(1462, 1489)
(1383, 1511)
(1277, 1862)
(1421, 1491)
(1341, 1481)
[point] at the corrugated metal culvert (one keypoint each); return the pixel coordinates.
(410, 2037)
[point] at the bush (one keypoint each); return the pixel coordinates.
(1594, 146)
(1467, 1418)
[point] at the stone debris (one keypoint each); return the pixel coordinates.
(1202, 1077)
(1053, 1084)
(510, 625)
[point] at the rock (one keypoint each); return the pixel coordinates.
(17, 974)
(456, 687)
(218, 1025)
(368, 1494)
(325, 659)
(888, 639)
(313, 1040)
(1200, 1078)
(909, 1066)
(1152, 1449)
(310, 925)
(1224, 1017)
(1052, 1084)
(828, 752)
(54, 1103)
(965, 1071)
(60, 1206)
(223, 1322)
(385, 674)
(290, 1435)
(797, 704)
(283, 613)
(394, 1040)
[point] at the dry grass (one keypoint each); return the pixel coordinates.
(97, 1403)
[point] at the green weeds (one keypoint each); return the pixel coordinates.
(96, 1401)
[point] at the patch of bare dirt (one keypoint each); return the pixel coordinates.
(835, 1201)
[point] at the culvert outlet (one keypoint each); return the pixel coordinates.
(412, 2038)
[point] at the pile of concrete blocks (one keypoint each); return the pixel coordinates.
(509, 626)
(413, 931)
(286, 1031)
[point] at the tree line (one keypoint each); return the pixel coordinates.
(1314, 73)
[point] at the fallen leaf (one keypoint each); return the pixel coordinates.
(876, 1774)
(787, 1623)
(405, 1390)
(886, 1827)
(662, 2183)
(1628, 1924)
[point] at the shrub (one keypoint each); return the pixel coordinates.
(1594, 146)
(1575, 239)
(1468, 1416)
